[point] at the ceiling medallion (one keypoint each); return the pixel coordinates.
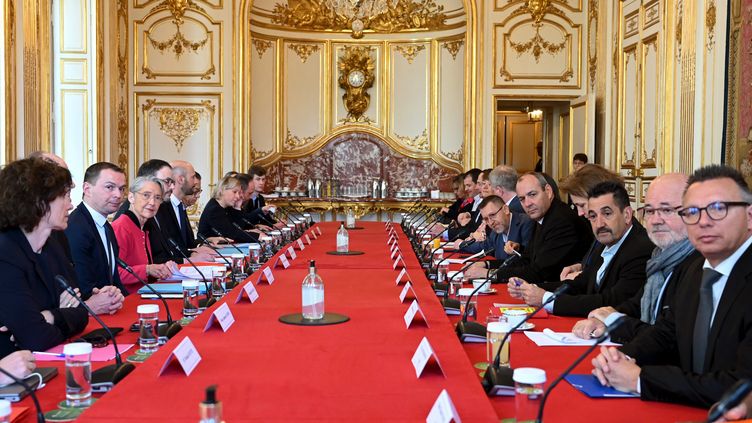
(356, 76)
(357, 16)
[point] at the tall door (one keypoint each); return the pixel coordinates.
(581, 129)
(516, 137)
(639, 106)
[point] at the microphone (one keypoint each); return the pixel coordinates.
(108, 376)
(499, 378)
(227, 240)
(262, 215)
(451, 304)
(209, 299)
(730, 399)
(248, 222)
(587, 352)
(32, 392)
(466, 243)
(172, 327)
(216, 250)
(240, 228)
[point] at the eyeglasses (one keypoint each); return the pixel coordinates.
(716, 211)
(492, 216)
(147, 196)
(662, 212)
(167, 181)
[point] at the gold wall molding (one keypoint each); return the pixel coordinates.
(122, 134)
(710, 18)
(120, 90)
(453, 47)
(732, 156)
(293, 142)
(537, 46)
(303, 51)
(592, 48)
(409, 51)
(37, 81)
(455, 155)
(418, 142)
(101, 102)
(257, 154)
(178, 123)
(261, 46)
(10, 80)
(177, 8)
(177, 43)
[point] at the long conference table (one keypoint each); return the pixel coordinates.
(360, 370)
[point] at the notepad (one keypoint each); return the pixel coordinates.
(168, 290)
(590, 386)
(562, 339)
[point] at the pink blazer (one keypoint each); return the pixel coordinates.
(133, 243)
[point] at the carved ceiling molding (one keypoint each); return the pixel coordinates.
(303, 51)
(410, 51)
(453, 47)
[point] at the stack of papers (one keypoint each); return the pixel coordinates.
(549, 338)
(188, 272)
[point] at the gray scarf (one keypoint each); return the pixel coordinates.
(660, 265)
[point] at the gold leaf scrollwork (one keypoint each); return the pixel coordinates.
(423, 15)
(410, 51)
(537, 44)
(257, 154)
(710, 18)
(178, 8)
(178, 123)
(292, 142)
(356, 60)
(304, 51)
(419, 142)
(177, 43)
(506, 75)
(455, 156)
(261, 46)
(453, 47)
(122, 135)
(592, 53)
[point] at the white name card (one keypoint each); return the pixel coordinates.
(283, 259)
(422, 355)
(401, 277)
(313, 233)
(301, 247)
(407, 288)
(399, 263)
(250, 291)
(318, 229)
(292, 253)
(223, 315)
(308, 239)
(443, 410)
(187, 356)
(411, 312)
(394, 247)
(395, 252)
(268, 275)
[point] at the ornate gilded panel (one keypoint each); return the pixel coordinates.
(304, 95)
(409, 102)
(357, 79)
(178, 43)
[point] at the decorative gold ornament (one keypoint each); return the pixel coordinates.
(261, 46)
(304, 51)
(292, 142)
(388, 16)
(453, 47)
(356, 76)
(177, 43)
(122, 135)
(419, 142)
(257, 154)
(409, 51)
(710, 17)
(177, 8)
(537, 44)
(178, 123)
(456, 156)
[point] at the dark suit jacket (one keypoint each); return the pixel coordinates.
(454, 210)
(216, 217)
(27, 288)
(664, 350)
(561, 240)
(520, 231)
(89, 256)
(624, 276)
(462, 232)
(170, 228)
(632, 325)
(257, 204)
(160, 250)
(516, 206)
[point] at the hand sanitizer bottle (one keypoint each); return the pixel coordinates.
(313, 294)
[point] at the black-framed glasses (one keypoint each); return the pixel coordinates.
(492, 216)
(167, 181)
(716, 211)
(662, 212)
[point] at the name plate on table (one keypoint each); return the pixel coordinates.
(308, 239)
(250, 291)
(301, 247)
(223, 315)
(399, 263)
(292, 253)
(187, 356)
(411, 312)
(443, 410)
(313, 234)
(282, 259)
(395, 252)
(394, 247)
(318, 229)
(422, 355)
(268, 275)
(391, 240)
(402, 277)
(407, 288)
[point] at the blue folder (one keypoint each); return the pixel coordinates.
(168, 290)
(589, 385)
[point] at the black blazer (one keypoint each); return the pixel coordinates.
(632, 325)
(516, 206)
(624, 276)
(454, 210)
(170, 228)
(251, 208)
(461, 232)
(561, 240)
(664, 350)
(27, 288)
(89, 256)
(216, 217)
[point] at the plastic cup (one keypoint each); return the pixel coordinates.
(463, 295)
(495, 332)
(217, 288)
(148, 321)
(528, 391)
(190, 298)
(77, 374)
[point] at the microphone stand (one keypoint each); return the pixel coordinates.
(107, 375)
(172, 327)
(248, 222)
(32, 392)
(579, 359)
(227, 240)
(216, 250)
(209, 298)
(500, 377)
(451, 304)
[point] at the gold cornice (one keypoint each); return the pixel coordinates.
(368, 33)
(512, 3)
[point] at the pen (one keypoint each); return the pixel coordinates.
(60, 355)
(517, 253)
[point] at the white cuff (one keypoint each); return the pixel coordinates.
(550, 306)
(611, 318)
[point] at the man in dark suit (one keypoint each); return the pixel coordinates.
(701, 344)
(618, 270)
(448, 214)
(256, 201)
(468, 219)
(669, 234)
(504, 225)
(503, 181)
(92, 241)
(559, 236)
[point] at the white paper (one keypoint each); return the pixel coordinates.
(408, 287)
(443, 410)
(394, 253)
(285, 262)
(396, 262)
(269, 275)
(543, 340)
(464, 260)
(188, 272)
(402, 273)
(308, 240)
(187, 356)
(422, 355)
(250, 291)
(300, 244)
(223, 315)
(318, 229)
(291, 252)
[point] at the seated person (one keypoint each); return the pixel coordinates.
(20, 364)
(702, 343)
(468, 219)
(256, 199)
(450, 213)
(216, 214)
(144, 199)
(618, 270)
(559, 237)
(35, 309)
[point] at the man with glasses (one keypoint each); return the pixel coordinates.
(504, 226)
(701, 344)
(618, 269)
(669, 234)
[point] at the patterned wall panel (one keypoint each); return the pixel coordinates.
(409, 100)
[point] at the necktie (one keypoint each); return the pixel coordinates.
(184, 224)
(109, 234)
(702, 319)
